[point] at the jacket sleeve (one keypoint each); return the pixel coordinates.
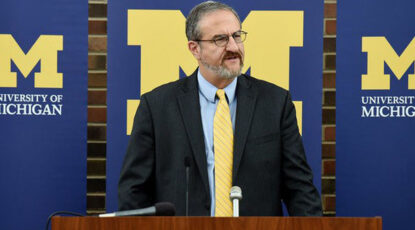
(136, 183)
(298, 192)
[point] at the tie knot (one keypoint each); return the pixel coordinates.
(221, 94)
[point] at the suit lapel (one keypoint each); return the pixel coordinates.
(244, 111)
(190, 111)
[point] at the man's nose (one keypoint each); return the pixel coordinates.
(232, 45)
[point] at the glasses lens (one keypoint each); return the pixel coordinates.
(221, 40)
(239, 36)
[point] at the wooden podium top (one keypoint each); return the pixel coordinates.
(217, 223)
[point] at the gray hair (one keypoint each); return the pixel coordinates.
(192, 21)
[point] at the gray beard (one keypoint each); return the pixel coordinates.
(223, 72)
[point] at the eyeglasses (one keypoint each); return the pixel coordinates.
(222, 40)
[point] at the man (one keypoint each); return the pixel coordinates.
(229, 128)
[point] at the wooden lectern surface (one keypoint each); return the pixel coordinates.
(217, 223)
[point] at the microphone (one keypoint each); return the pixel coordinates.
(235, 196)
(159, 209)
(187, 165)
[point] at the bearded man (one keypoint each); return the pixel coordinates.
(226, 128)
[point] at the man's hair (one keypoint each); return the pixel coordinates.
(192, 21)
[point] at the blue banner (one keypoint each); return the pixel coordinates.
(147, 47)
(376, 110)
(43, 110)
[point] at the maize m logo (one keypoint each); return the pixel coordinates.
(164, 48)
(379, 51)
(44, 50)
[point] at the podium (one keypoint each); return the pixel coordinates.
(217, 223)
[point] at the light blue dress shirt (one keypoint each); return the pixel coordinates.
(208, 103)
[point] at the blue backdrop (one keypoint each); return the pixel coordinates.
(137, 48)
(375, 113)
(43, 115)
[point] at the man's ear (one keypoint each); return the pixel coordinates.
(194, 48)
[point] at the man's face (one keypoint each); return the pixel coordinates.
(224, 62)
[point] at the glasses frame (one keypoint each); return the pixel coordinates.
(214, 40)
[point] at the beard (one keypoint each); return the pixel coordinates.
(222, 71)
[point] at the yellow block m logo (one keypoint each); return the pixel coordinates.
(164, 48)
(45, 50)
(379, 52)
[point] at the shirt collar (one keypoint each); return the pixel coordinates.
(209, 91)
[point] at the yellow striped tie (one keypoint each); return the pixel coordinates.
(223, 147)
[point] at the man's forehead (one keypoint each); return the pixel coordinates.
(219, 21)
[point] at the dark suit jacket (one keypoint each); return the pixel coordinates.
(269, 162)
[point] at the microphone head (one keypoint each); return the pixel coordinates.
(165, 209)
(236, 193)
(187, 161)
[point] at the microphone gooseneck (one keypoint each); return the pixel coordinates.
(187, 165)
(159, 209)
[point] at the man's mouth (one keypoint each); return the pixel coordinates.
(231, 57)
